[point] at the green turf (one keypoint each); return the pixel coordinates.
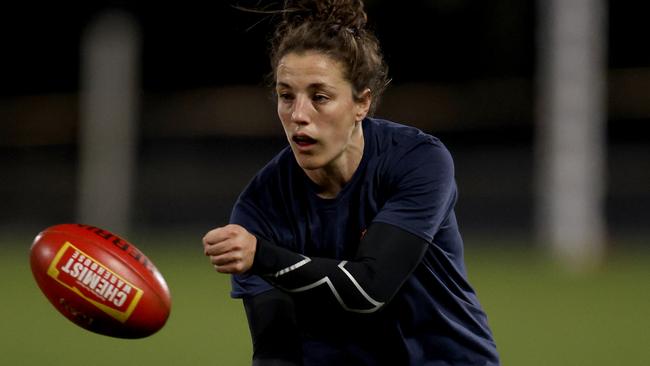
(205, 327)
(540, 314)
(543, 315)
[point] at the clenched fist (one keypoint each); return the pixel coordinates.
(231, 249)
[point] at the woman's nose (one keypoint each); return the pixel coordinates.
(300, 112)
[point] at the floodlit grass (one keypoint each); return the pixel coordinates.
(205, 327)
(543, 315)
(540, 314)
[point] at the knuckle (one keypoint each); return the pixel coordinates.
(235, 229)
(209, 236)
(227, 232)
(225, 269)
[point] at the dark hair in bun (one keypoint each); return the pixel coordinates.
(348, 14)
(336, 28)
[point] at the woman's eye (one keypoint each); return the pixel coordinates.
(319, 98)
(285, 96)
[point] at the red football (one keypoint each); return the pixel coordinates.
(100, 281)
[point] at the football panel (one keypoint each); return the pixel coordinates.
(95, 288)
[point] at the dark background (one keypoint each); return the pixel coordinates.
(190, 44)
(478, 57)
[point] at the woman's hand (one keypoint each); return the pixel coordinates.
(231, 249)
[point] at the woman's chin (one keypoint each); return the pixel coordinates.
(308, 163)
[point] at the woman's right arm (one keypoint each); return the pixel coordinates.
(272, 323)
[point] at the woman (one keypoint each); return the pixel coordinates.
(345, 247)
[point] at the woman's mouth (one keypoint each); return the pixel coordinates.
(303, 140)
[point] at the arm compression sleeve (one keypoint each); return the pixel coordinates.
(387, 255)
(272, 323)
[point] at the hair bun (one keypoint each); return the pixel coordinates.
(341, 13)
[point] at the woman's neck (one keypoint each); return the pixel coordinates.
(332, 178)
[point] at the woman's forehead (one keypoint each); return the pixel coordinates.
(309, 67)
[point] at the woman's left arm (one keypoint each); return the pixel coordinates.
(387, 255)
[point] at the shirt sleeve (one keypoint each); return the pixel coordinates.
(422, 190)
(250, 217)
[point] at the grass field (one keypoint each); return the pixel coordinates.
(540, 315)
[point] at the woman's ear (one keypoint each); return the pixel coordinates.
(363, 105)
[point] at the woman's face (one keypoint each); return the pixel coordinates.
(318, 112)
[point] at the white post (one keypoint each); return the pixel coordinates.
(571, 145)
(108, 114)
